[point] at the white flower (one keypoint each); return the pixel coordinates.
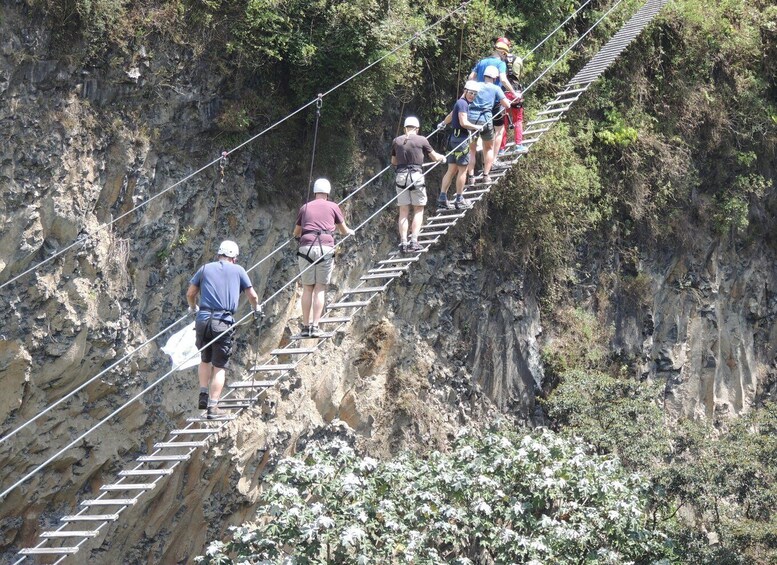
(325, 522)
(482, 507)
(351, 535)
(368, 464)
(351, 483)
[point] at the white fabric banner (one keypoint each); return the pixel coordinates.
(181, 348)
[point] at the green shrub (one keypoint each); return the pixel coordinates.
(497, 497)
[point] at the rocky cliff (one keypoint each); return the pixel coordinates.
(458, 340)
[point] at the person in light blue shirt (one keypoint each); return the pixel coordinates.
(218, 285)
(480, 112)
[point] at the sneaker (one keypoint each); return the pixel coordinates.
(403, 247)
(462, 204)
(486, 179)
(216, 413)
(521, 149)
(442, 202)
(470, 179)
(498, 164)
(203, 402)
(315, 331)
(500, 153)
(305, 332)
(414, 247)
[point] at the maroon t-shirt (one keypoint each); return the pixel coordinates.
(319, 215)
(410, 151)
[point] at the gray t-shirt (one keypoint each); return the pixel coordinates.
(220, 284)
(410, 151)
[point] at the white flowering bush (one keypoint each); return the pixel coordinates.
(497, 497)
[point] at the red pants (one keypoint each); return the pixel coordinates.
(517, 116)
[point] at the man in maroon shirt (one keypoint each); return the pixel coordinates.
(407, 155)
(315, 228)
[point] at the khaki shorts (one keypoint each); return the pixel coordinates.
(321, 272)
(415, 193)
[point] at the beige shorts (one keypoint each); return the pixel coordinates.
(415, 193)
(321, 272)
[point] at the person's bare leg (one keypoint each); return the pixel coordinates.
(319, 297)
(217, 384)
(307, 300)
(204, 372)
(461, 179)
(404, 211)
(488, 156)
(450, 174)
(418, 221)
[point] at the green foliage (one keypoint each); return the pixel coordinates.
(615, 132)
(549, 203)
(580, 342)
(497, 497)
(617, 415)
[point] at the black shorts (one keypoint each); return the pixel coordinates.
(499, 115)
(219, 351)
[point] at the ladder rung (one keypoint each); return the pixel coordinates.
(90, 518)
(365, 290)
(205, 419)
(109, 502)
(71, 534)
(354, 304)
(324, 335)
(531, 131)
(554, 111)
(402, 260)
(252, 384)
(212, 430)
(390, 269)
(334, 320)
(163, 458)
(443, 217)
(271, 368)
(147, 472)
(545, 121)
(573, 91)
(477, 191)
(439, 225)
(443, 232)
(48, 550)
(172, 444)
(564, 101)
(291, 351)
(428, 241)
(384, 275)
(128, 486)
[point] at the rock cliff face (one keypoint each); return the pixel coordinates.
(455, 341)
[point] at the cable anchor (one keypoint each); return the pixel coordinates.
(223, 163)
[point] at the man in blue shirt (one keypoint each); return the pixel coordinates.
(498, 59)
(480, 112)
(219, 285)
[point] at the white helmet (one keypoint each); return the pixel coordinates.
(472, 85)
(228, 249)
(412, 122)
(322, 185)
(491, 71)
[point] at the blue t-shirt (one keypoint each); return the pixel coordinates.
(220, 284)
(481, 65)
(481, 108)
(461, 105)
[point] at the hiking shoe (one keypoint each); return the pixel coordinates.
(305, 331)
(315, 331)
(443, 202)
(203, 402)
(216, 413)
(521, 149)
(470, 179)
(403, 247)
(500, 153)
(462, 204)
(413, 247)
(486, 179)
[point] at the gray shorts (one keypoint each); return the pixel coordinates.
(415, 193)
(321, 272)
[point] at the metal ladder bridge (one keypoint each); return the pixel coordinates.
(149, 470)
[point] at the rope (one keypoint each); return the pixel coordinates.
(266, 301)
(85, 237)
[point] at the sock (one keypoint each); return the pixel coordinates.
(414, 238)
(203, 389)
(404, 241)
(213, 403)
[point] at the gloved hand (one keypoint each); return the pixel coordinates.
(258, 316)
(192, 311)
(441, 125)
(350, 231)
